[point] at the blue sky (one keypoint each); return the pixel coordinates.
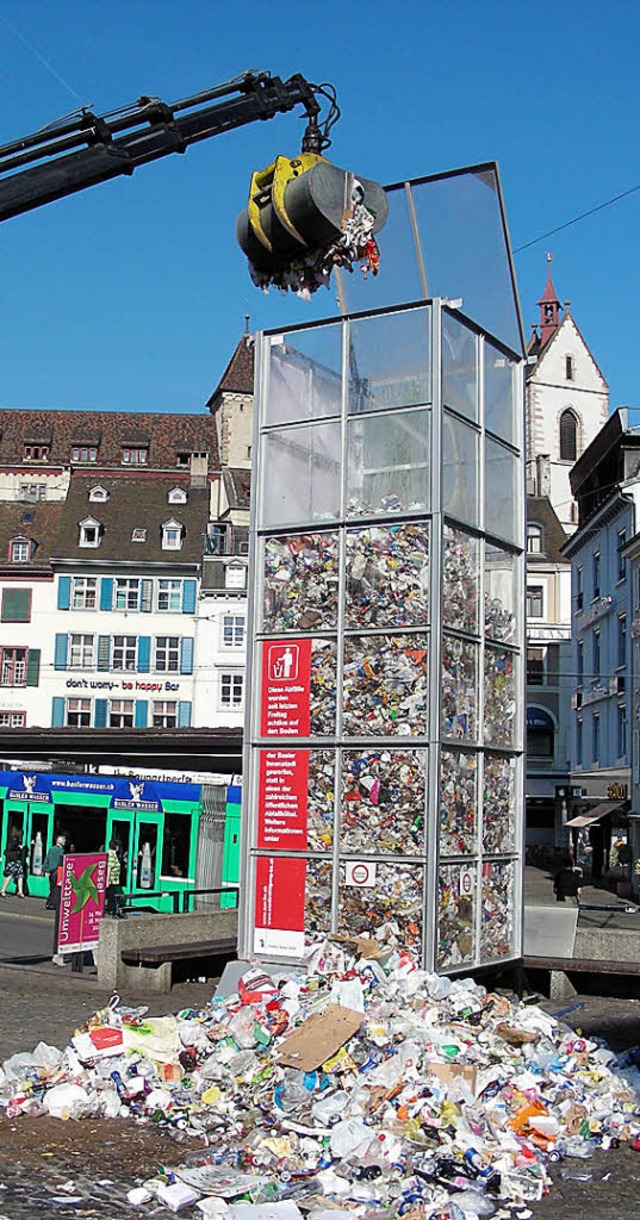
(132, 295)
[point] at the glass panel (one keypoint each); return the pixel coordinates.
(499, 394)
(390, 900)
(37, 848)
(460, 470)
(121, 831)
(458, 803)
(459, 689)
(300, 582)
(459, 368)
(303, 479)
(499, 697)
(388, 463)
(502, 493)
(496, 935)
(383, 801)
(176, 845)
(387, 576)
(389, 361)
(465, 251)
(317, 905)
(456, 897)
(321, 792)
(499, 804)
(147, 856)
(305, 375)
(398, 279)
(323, 688)
(385, 686)
(500, 594)
(460, 580)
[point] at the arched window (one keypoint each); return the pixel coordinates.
(568, 437)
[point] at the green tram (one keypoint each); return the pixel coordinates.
(175, 837)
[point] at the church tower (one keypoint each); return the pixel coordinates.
(567, 403)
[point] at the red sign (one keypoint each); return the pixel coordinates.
(84, 880)
(286, 684)
(279, 911)
(283, 780)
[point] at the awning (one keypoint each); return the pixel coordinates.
(595, 815)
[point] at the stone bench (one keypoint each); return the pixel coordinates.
(138, 953)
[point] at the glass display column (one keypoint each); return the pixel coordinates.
(383, 754)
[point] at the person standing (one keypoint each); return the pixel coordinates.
(13, 870)
(52, 862)
(56, 902)
(113, 889)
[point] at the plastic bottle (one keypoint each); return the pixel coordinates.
(36, 863)
(145, 867)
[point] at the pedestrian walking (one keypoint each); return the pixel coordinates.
(52, 862)
(13, 867)
(113, 891)
(567, 883)
(56, 899)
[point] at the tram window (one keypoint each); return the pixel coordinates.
(175, 846)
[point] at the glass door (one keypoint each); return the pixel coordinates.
(37, 839)
(147, 852)
(120, 826)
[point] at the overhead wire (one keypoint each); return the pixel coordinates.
(599, 207)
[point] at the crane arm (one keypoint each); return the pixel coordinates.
(85, 149)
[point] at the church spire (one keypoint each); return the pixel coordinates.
(549, 308)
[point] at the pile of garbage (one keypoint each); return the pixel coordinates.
(357, 1083)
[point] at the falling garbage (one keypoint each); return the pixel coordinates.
(358, 1082)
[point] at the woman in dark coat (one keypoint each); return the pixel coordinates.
(13, 867)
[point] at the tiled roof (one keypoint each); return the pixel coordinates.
(38, 522)
(238, 375)
(540, 511)
(136, 502)
(166, 436)
(237, 485)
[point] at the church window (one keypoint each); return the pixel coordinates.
(568, 368)
(568, 437)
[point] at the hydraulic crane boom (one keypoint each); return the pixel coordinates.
(304, 215)
(85, 149)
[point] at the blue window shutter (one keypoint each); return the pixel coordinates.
(64, 592)
(100, 714)
(188, 597)
(142, 706)
(144, 653)
(184, 714)
(104, 652)
(57, 712)
(106, 593)
(60, 654)
(186, 655)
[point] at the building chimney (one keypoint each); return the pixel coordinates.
(543, 475)
(199, 469)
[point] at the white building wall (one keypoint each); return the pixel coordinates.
(33, 485)
(221, 659)
(549, 394)
(158, 672)
(32, 701)
(235, 430)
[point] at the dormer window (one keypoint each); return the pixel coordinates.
(177, 495)
(534, 539)
(135, 455)
(90, 532)
(36, 452)
(20, 550)
(183, 459)
(172, 532)
(98, 495)
(139, 535)
(84, 453)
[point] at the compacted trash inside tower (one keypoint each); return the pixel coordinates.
(384, 734)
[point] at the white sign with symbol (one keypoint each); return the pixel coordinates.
(467, 876)
(360, 873)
